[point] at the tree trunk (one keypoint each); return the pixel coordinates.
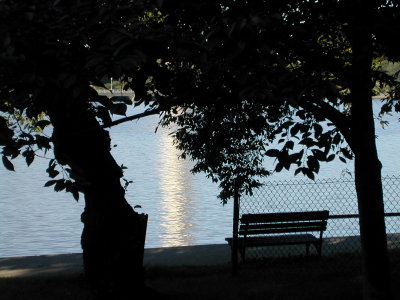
(111, 240)
(370, 204)
(377, 283)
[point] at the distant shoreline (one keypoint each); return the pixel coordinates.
(116, 92)
(119, 92)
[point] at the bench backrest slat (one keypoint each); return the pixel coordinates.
(284, 225)
(283, 222)
(314, 225)
(281, 217)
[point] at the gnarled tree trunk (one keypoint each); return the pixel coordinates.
(112, 240)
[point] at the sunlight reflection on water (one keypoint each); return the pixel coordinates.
(176, 190)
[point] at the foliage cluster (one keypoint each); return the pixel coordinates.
(234, 76)
(52, 53)
(264, 71)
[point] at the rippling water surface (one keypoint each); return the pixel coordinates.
(183, 208)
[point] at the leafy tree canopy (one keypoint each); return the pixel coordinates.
(263, 71)
(238, 75)
(252, 73)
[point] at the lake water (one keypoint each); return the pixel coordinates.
(183, 208)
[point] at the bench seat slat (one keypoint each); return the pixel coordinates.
(276, 240)
(279, 230)
(281, 240)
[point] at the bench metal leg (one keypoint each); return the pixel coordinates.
(243, 253)
(308, 249)
(318, 246)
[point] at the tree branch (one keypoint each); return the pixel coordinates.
(323, 109)
(133, 117)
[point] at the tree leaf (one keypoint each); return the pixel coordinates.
(318, 154)
(7, 163)
(330, 157)
(317, 130)
(75, 194)
(313, 164)
(119, 109)
(347, 154)
(309, 173)
(50, 183)
(294, 130)
(279, 167)
(6, 134)
(11, 151)
(60, 185)
(29, 156)
(29, 159)
(272, 153)
(307, 142)
(53, 173)
(336, 139)
(289, 145)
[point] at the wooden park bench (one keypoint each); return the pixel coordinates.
(276, 229)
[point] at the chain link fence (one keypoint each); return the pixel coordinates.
(336, 195)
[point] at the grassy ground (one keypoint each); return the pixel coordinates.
(299, 278)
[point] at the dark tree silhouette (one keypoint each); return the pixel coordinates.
(52, 53)
(233, 75)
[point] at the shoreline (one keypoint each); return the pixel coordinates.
(195, 255)
(72, 263)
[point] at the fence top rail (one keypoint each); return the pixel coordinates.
(350, 216)
(331, 180)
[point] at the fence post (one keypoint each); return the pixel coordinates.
(234, 254)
